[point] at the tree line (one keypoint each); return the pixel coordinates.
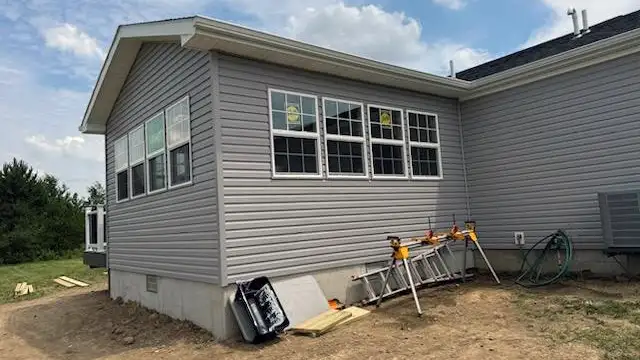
(40, 218)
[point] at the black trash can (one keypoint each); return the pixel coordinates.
(258, 301)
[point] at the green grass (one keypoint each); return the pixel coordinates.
(41, 274)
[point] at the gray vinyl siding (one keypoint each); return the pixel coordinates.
(173, 233)
(286, 226)
(537, 155)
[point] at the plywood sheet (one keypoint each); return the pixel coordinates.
(322, 323)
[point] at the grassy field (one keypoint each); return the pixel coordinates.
(41, 275)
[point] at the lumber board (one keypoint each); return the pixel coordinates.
(63, 283)
(19, 287)
(30, 289)
(74, 281)
(356, 313)
(320, 324)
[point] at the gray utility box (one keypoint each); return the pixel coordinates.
(620, 216)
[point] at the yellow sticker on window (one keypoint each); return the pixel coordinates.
(293, 113)
(385, 118)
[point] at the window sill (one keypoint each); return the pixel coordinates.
(390, 177)
(122, 201)
(171, 187)
(158, 191)
(138, 196)
(348, 177)
(426, 178)
(296, 176)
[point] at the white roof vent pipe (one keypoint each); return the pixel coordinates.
(585, 22)
(574, 16)
(452, 70)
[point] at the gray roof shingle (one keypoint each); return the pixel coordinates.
(603, 30)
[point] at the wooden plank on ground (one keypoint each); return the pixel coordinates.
(320, 324)
(356, 313)
(74, 281)
(30, 290)
(19, 287)
(63, 283)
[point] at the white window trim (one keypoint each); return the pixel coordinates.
(177, 145)
(119, 170)
(425, 145)
(296, 134)
(156, 153)
(402, 142)
(141, 161)
(335, 137)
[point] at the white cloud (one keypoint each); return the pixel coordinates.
(69, 146)
(67, 37)
(372, 32)
(451, 4)
(559, 23)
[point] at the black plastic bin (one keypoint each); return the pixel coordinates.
(258, 301)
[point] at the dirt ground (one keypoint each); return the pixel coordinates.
(477, 320)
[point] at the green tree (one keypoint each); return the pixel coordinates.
(97, 194)
(39, 217)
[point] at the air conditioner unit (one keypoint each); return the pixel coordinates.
(620, 216)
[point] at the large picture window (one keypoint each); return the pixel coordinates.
(136, 161)
(387, 142)
(155, 136)
(344, 138)
(121, 160)
(294, 134)
(178, 128)
(424, 142)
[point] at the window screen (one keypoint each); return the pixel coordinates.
(344, 132)
(294, 129)
(424, 144)
(387, 141)
(178, 128)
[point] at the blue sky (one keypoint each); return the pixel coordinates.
(52, 51)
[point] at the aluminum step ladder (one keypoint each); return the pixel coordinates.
(427, 267)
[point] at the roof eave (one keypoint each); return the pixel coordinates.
(215, 35)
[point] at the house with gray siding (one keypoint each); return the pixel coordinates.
(232, 153)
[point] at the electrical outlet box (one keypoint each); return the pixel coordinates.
(518, 237)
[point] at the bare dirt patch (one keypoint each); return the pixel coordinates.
(471, 321)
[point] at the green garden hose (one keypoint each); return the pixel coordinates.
(550, 264)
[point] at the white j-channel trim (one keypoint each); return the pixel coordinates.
(178, 144)
(299, 134)
(154, 154)
(124, 138)
(426, 145)
(362, 140)
(402, 143)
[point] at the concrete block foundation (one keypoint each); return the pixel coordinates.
(206, 305)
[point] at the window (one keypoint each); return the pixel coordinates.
(136, 161)
(154, 129)
(178, 119)
(387, 142)
(294, 134)
(121, 154)
(425, 145)
(344, 138)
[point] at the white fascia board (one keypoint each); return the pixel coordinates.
(121, 55)
(263, 46)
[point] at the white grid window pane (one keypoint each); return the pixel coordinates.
(422, 128)
(136, 145)
(178, 123)
(155, 134)
(121, 154)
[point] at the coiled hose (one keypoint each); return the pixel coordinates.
(541, 272)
